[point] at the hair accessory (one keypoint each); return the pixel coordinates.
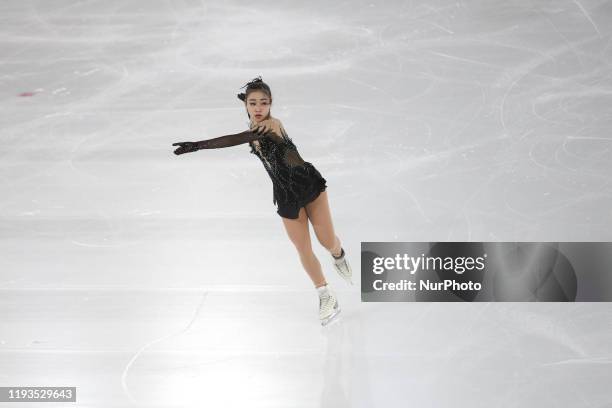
(253, 81)
(254, 84)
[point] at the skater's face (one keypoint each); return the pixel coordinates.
(258, 106)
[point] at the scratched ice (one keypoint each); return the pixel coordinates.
(149, 279)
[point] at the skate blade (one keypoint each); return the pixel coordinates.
(347, 279)
(331, 319)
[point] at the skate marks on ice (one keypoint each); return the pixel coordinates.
(124, 375)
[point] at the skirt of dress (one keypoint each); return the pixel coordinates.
(305, 185)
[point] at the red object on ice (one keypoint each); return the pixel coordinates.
(27, 94)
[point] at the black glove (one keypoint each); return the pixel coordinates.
(186, 147)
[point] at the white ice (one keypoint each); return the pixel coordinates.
(154, 280)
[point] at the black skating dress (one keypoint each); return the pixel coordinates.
(295, 182)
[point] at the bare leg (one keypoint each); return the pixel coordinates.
(299, 233)
(321, 220)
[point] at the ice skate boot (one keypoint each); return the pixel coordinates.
(343, 268)
(328, 305)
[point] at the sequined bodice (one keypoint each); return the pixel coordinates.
(277, 154)
(281, 159)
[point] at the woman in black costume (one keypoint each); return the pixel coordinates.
(298, 189)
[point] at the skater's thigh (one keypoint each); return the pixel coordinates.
(320, 217)
(298, 230)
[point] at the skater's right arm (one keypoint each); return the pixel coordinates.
(223, 141)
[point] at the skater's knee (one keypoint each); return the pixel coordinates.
(305, 252)
(301, 241)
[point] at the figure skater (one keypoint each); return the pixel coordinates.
(298, 189)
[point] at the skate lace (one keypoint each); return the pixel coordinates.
(342, 266)
(326, 304)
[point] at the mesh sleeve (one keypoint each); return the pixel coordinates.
(230, 140)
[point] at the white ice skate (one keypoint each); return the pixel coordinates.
(343, 268)
(328, 305)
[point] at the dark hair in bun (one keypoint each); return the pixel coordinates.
(257, 84)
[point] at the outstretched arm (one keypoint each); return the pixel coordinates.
(222, 141)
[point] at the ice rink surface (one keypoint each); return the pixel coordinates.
(154, 280)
